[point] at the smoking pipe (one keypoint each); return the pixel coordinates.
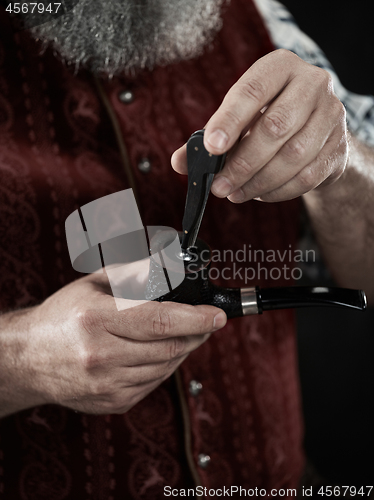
(196, 287)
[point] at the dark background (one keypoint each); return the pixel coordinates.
(336, 347)
(345, 31)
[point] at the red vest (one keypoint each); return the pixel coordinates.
(58, 151)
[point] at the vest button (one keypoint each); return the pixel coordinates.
(126, 96)
(203, 460)
(144, 165)
(195, 388)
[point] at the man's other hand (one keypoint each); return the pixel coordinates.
(77, 350)
(284, 130)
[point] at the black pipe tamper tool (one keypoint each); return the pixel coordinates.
(196, 288)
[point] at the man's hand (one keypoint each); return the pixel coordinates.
(284, 129)
(76, 349)
(285, 133)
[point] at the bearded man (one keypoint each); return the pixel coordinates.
(102, 404)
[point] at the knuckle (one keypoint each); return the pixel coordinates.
(307, 178)
(230, 117)
(239, 166)
(206, 324)
(100, 389)
(294, 150)
(339, 110)
(323, 79)
(87, 319)
(344, 146)
(89, 359)
(277, 123)
(327, 79)
(253, 89)
(162, 323)
(176, 347)
(284, 53)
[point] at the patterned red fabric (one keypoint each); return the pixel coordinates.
(58, 152)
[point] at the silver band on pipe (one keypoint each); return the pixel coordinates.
(249, 301)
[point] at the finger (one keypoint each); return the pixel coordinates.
(154, 320)
(110, 352)
(298, 152)
(137, 353)
(254, 90)
(179, 160)
(283, 119)
(160, 320)
(148, 373)
(326, 168)
(179, 157)
(147, 321)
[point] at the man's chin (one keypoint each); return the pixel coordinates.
(95, 36)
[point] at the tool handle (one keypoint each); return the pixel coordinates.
(202, 167)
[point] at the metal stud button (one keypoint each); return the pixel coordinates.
(126, 96)
(144, 165)
(195, 388)
(203, 460)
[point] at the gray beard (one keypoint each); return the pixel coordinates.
(114, 36)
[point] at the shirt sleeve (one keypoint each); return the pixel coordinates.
(286, 34)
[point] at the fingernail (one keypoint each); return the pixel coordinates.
(237, 196)
(218, 139)
(221, 186)
(219, 320)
